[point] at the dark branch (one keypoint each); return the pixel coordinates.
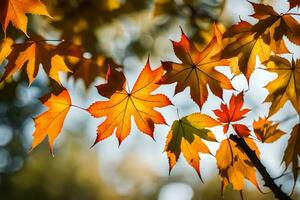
(269, 181)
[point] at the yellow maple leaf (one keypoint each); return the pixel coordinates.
(292, 152)
(234, 165)
(245, 46)
(266, 131)
(5, 48)
(286, 86)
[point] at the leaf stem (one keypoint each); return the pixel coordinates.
(178, 113)
(36, 41)
(282, 175)
(292, 14)
(79, 107)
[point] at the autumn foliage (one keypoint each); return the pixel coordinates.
(238, 48)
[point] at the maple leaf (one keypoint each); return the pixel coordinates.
(89, 69)
(218, 32)
(50, 122)
(5, 48)
(83, 68)
(15, 11)
(197, 70)
(234, 165)
(286, 86)
(292, 151)
(275, 26)
(232, 113)
(266, 131)
(69, 48)
(185, 137)
(261, 38)
(115, 82)
(122, 104)
(246, 45)
(294, 3)
(31, 54)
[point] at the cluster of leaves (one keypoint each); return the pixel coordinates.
(238, 48)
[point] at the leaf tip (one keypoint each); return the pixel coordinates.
(199, 175)
(95, 142)
(51, 150)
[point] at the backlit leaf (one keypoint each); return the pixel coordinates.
(266, 131)
(50, 122)
(186, 137)
(275, 26)
(122, 104)
(246, 46)
(5, 48)
(292, 151)
(15, 11)
(197, 70)
(286, 86)
(232, 113)
(234, 165)
(31, 54)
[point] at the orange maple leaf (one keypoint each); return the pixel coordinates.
(186, 136)
(266, 131)
(31, 54)
(197, 70)
(15, 11)
(232, 113)
(50, 122)
(122, 104)
(234, 165)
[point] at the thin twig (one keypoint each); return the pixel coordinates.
(269, 181)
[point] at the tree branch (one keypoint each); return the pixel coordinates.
(269, 181)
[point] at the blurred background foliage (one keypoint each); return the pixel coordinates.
(110, 32)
